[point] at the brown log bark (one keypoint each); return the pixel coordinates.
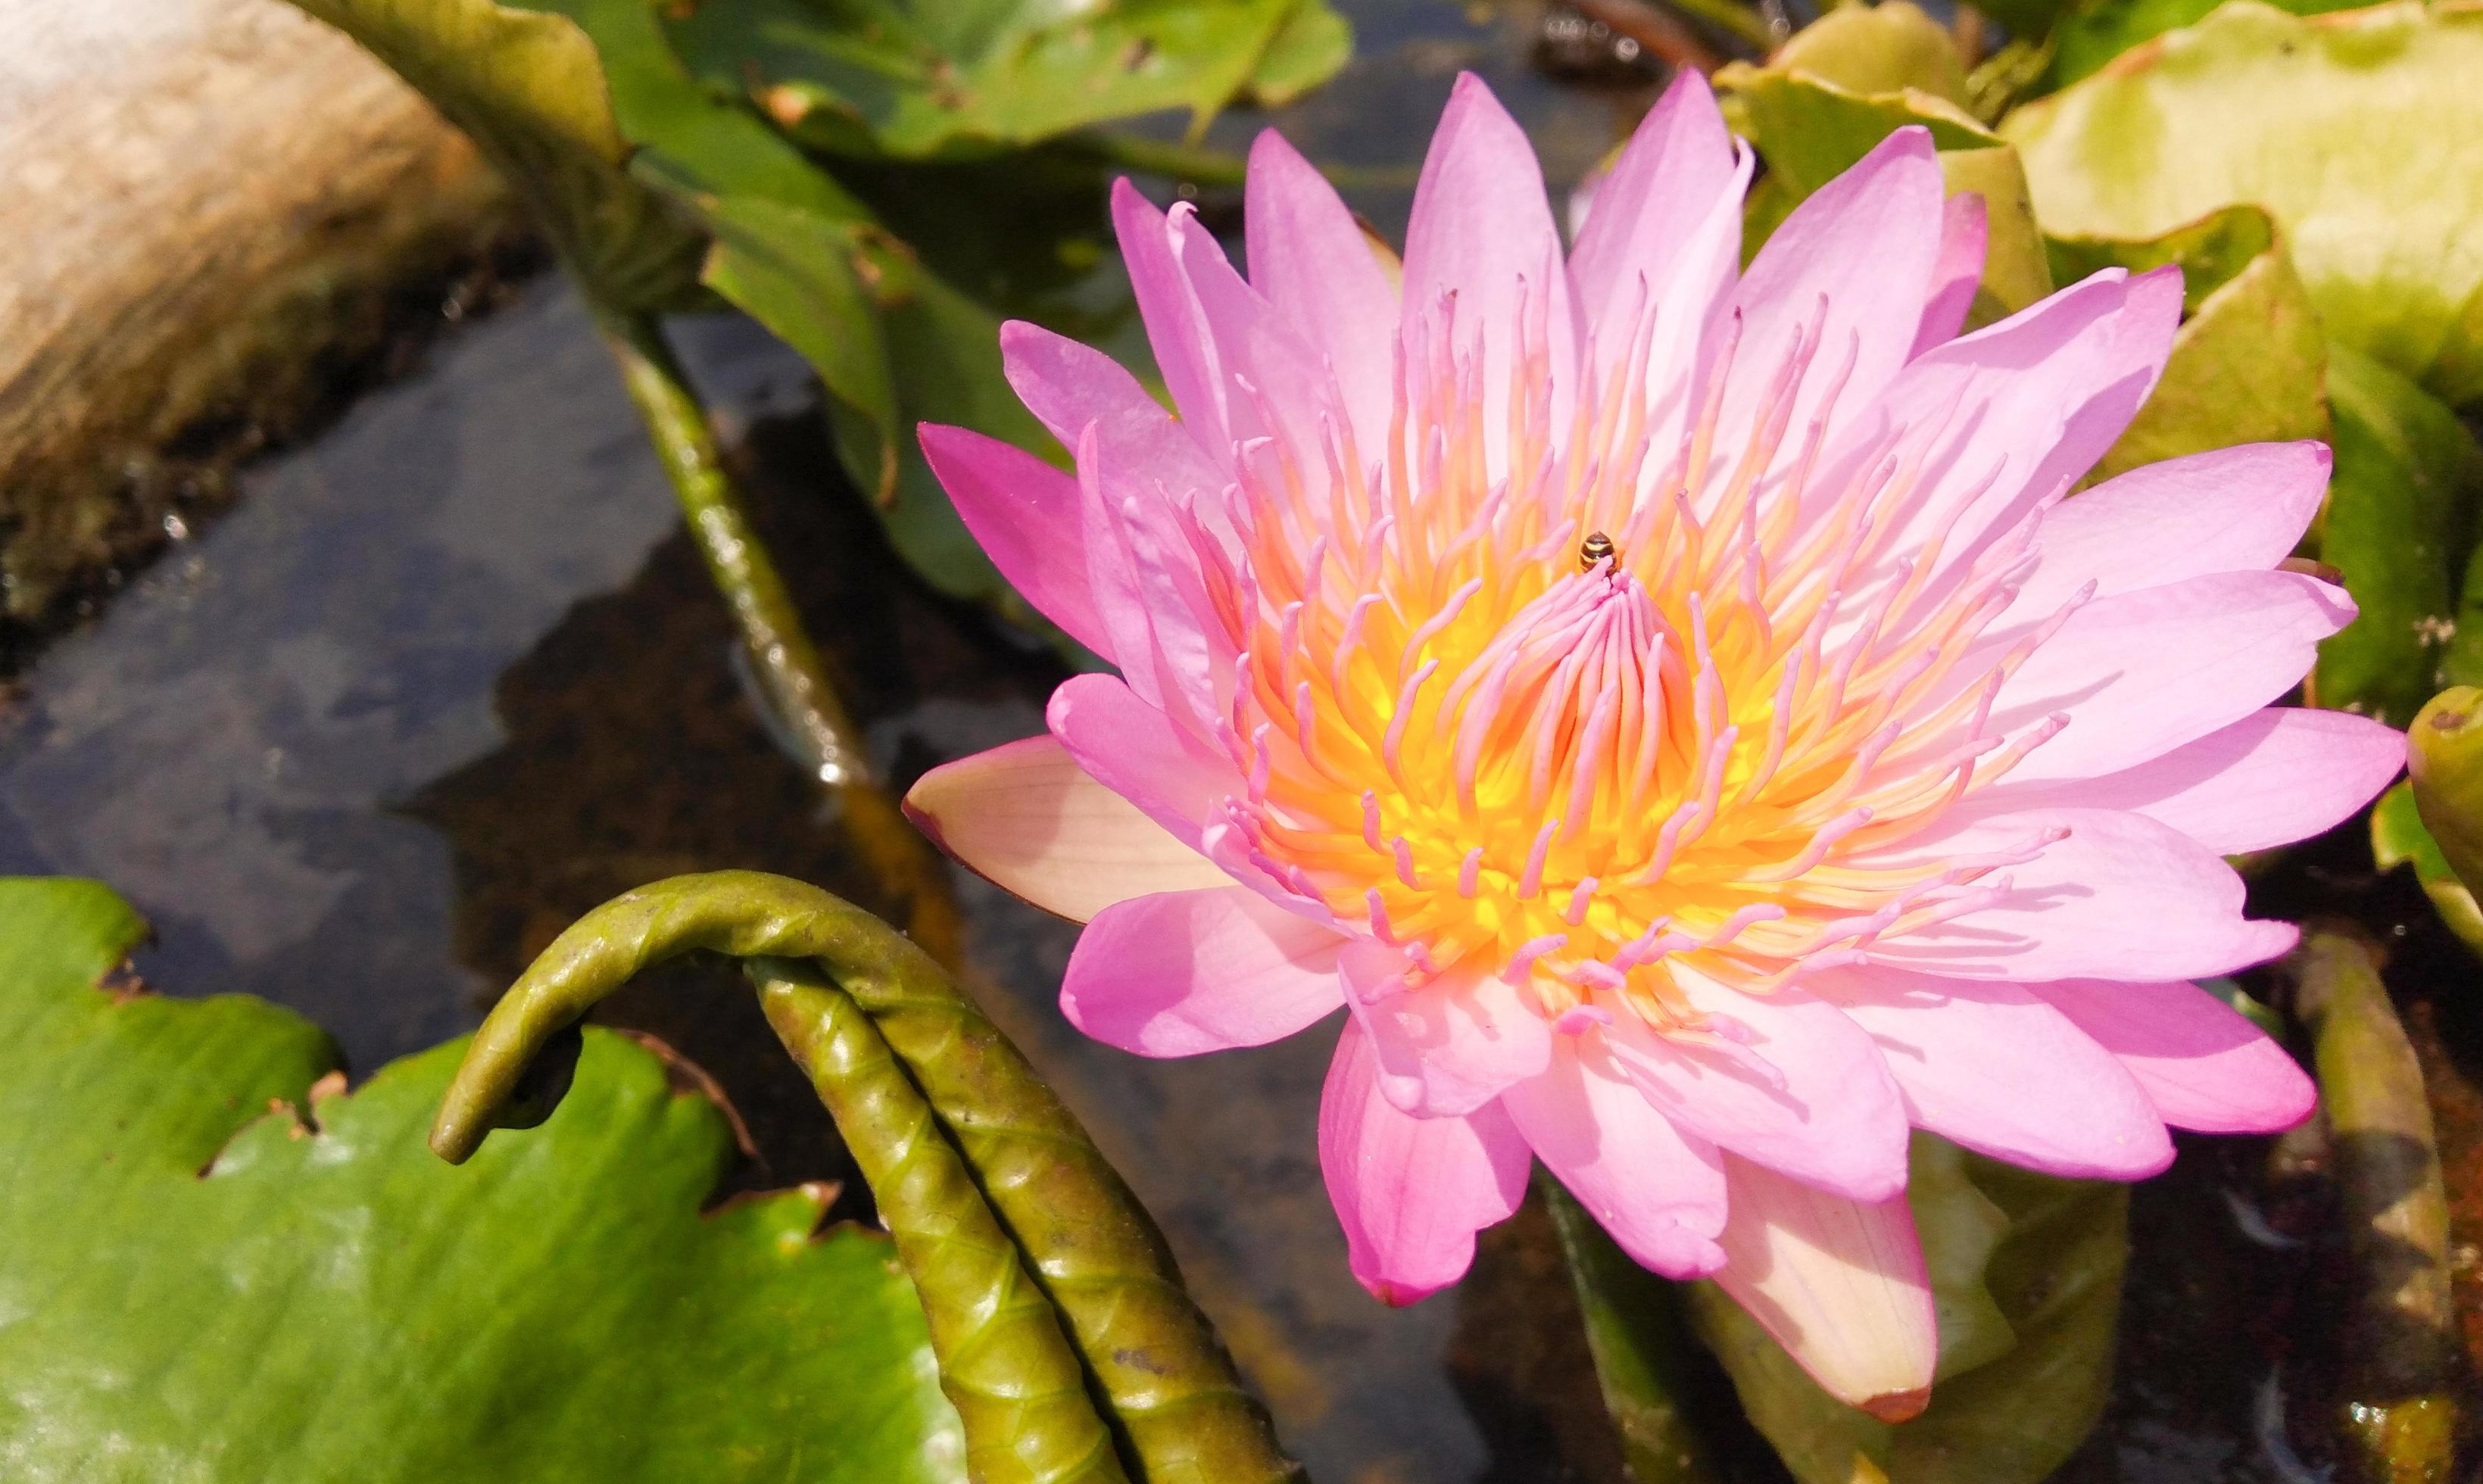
(210, 205)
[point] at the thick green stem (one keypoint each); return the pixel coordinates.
(787, 664)
(1003, 1362)
(1639, 1337)
(2399, 1419)
(1171, 1394)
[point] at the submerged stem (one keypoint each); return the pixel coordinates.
(1169, 1393)
(2399, 1417)
(791, 670)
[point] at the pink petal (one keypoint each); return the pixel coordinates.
(1839, 1283)
(2202, 1064)
(1970, 1056)
(1310, 258)
(1659, 1192)
(1134, 749)
(1177, 328)
(1678, 170)
(1150, 593)
(1836, 1119)
(2232, 510)
(1183, 973)
(1957, 272)
(1411, 1192)
(1029, 819)
(1849, 270)
(1025, 514)
(2121, 897)
(1070, 387)
(1481, 234)
(1448, 1046)
(2276, 776)
(2140, 673)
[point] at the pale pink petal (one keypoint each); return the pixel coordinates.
(1279, 384)
(2140, 673)
(1311, 259)
(1676, 170)
(1482, 237)
(2005, 419)
(1183, 973)
(2120, 897)
(1956, 274)
(1847, 273)
(1448, 1046)
(1029, 819)
(1658, 1191)
(1177, 328)
(2232, 510)
(1840, 1285)
(1411, 1192)
(2202, 1064)
(1025, 514)
(1992, 1067)
(1785, 1079)
(2278, 775)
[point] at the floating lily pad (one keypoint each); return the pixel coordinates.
(527, 87)
(2249, 364)
(216, 1264)
(1810, 130)
(935, 77)
(2360, 132)
(2400, 507)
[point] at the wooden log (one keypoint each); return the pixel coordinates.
(211, 204)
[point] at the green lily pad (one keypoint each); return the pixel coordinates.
(905, 329)
(1810, 130)
(921, 78)
(2092, 35)
(2360, 132)
(1877, 48)
(215, 1267)
(527, 87)
(2026, 1271)
(2249, 364)
(2400, 507)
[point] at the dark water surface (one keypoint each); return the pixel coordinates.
(451, 675)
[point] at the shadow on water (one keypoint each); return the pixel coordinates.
(451, 675)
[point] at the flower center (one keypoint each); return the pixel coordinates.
(1689, 738)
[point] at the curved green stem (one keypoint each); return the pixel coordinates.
(1004, 1362)
(1170, 1392)
(787, 664)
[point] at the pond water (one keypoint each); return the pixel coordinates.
(451, 675)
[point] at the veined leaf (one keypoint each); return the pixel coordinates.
(216, 1269)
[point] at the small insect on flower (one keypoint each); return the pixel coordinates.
(1672, 707)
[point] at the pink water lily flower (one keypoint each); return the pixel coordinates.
(1672, 707)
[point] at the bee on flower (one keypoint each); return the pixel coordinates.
(1676, 711)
